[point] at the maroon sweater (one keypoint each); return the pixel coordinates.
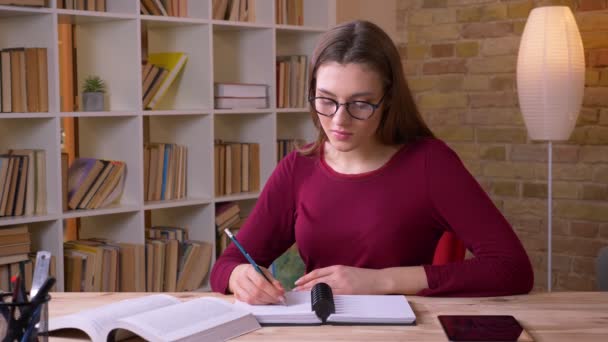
(393, 216)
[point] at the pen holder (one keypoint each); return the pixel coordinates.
(23, 322)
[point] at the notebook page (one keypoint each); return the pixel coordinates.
(297, 310)
(372, 309)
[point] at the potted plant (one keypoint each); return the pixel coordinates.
(93, 91)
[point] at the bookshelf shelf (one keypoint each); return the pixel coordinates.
(238, 197)
(241, 111)
(90, 17)
(108, 114)
(152, 205)
(297, 28)
(109, 44)
(9, 221)
(26, 115)
(20, 11)
(179, 112)
(115, 209)
(225, 25)
(156, 21)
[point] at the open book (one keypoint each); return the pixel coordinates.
(161, 318)
(348, 309)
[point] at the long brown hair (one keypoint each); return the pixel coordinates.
(365, 43)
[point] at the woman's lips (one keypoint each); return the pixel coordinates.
(341, 135)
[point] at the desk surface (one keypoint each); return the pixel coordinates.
(557, 316)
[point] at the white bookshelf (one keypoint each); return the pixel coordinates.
(109, 45)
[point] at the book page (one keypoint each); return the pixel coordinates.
(194, 318)
(297, 311)
(392, 309)
(95, 322)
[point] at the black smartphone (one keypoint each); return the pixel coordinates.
(483, 328)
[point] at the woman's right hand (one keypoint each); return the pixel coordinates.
(249, 286)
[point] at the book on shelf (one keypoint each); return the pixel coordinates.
(23, 182)
(173, 63)
(291, 81)
(24, 80)
(286, 146)
(234, 10)
(240, 95)
(289, 12)
(22, 265)
(95, 183)
(172, 8)
(321, 306)
(237, 167)
(165, 171)
(240, 102)
(102, 265)
(154, 318)
(83, 5)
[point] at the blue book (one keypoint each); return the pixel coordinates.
(165, 169)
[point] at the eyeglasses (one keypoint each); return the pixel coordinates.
(360, 110)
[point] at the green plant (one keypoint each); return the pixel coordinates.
(93, 84)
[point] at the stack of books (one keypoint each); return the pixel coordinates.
(95, 183)
(174, 262)
(24, 80)
(14, 248)
(289, 12)
(291, 81)
(240, 95)
(165, 167)
(23, 182)
(227, 215)
(83, 5)
(172, 8)
(158, 73)
(94, 265)
(286, 146)
(235, 10)
(237, 167)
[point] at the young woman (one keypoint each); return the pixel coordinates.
(368, 201)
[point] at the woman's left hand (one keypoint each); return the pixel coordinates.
(344, 280)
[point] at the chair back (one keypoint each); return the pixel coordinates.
(449, 249)
(602, 269)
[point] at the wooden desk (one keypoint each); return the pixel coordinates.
(558, 316)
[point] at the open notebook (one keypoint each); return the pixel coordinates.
(161, 318)
(349, 310)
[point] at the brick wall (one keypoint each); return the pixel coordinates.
(460, 58)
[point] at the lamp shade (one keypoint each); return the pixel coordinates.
(550, 73)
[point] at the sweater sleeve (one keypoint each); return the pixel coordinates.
(268, 231)
(500, 265)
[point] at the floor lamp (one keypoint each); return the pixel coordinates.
(550, 84)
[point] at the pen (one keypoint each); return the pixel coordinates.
(248, 257)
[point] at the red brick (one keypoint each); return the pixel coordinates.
(565, 154)
(584, 229)
(591, 5)
(596, 97)
(497, 99)
(598, 58)
(487, 30)
(434, 3)
(445, 67)
(442, 50)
